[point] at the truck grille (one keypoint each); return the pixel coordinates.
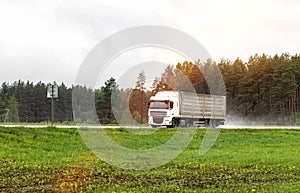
(158, 116)
(158, 113)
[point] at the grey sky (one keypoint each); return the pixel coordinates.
(47, 40)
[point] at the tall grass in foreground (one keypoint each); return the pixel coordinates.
(57, 160)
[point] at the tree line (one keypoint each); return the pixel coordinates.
(27, 102)
(264, 88)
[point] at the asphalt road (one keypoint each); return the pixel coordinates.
(136, 127)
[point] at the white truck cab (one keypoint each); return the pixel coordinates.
(162, 108)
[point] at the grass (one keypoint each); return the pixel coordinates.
(57, 160)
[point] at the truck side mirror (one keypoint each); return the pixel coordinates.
(171, 104)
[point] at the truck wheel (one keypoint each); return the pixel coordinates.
(175, 123)
(212, 124)
(187, 123)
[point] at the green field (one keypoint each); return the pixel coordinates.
(57, 160)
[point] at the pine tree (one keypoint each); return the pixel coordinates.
(104, 101)
(138, 100)
(141, 81)
(13, 113)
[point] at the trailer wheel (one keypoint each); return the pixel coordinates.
(187, 123)
(212, 123)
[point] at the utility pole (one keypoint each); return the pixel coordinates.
(52, 93)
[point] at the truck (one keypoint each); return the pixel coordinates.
(186, 109)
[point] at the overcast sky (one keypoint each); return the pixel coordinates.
(48, 40)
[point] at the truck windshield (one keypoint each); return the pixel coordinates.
(159, 104)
